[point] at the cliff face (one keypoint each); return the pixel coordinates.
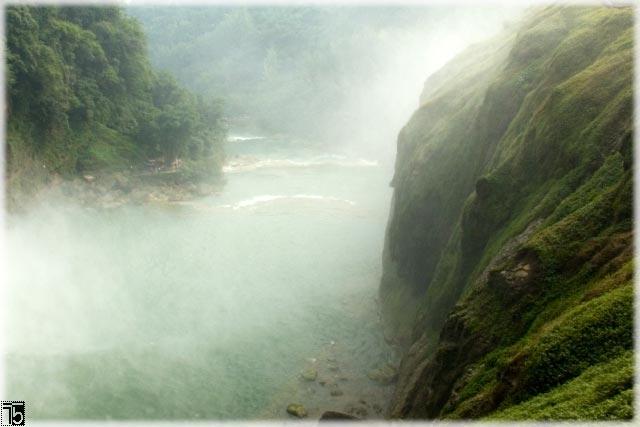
(507, 264)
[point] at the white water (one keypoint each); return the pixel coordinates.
(246, 164)
(269, 198)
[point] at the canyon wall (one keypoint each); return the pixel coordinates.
(508, 274)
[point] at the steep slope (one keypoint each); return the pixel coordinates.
(507, 264)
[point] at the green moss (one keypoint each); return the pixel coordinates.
(591, 333)
(552, 192)
(602, 392)
(608, 175)
(558, 243)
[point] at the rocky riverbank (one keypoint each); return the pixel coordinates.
(338, 383)
(111, 190)
(331, 385)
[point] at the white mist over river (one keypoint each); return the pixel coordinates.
(212, 308)
(209, 308)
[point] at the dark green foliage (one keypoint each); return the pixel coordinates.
(82, 96)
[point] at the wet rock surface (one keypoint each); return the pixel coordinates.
(336, 392)
(335, 387)
(297, 410)
(309, 374)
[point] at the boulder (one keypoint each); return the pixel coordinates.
(309, 374)
(297, 410)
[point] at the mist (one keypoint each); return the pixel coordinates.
(345, 78)
(202, 309)
(137, 293)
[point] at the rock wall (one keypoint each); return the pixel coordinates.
(511, 226)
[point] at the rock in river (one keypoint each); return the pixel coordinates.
(297, 410)
(310, 374)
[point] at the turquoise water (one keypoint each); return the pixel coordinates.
(208, 308)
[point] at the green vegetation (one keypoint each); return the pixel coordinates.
(602, 392)
(82, 96)
(512, 227)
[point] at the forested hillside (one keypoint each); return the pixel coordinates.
(281, 69)
(508, 260)
(306, 71)
(82, 97)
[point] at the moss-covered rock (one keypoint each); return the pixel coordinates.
(297, 410)
(507, 264)
(309, 374)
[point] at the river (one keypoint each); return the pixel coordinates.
(207, 309)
